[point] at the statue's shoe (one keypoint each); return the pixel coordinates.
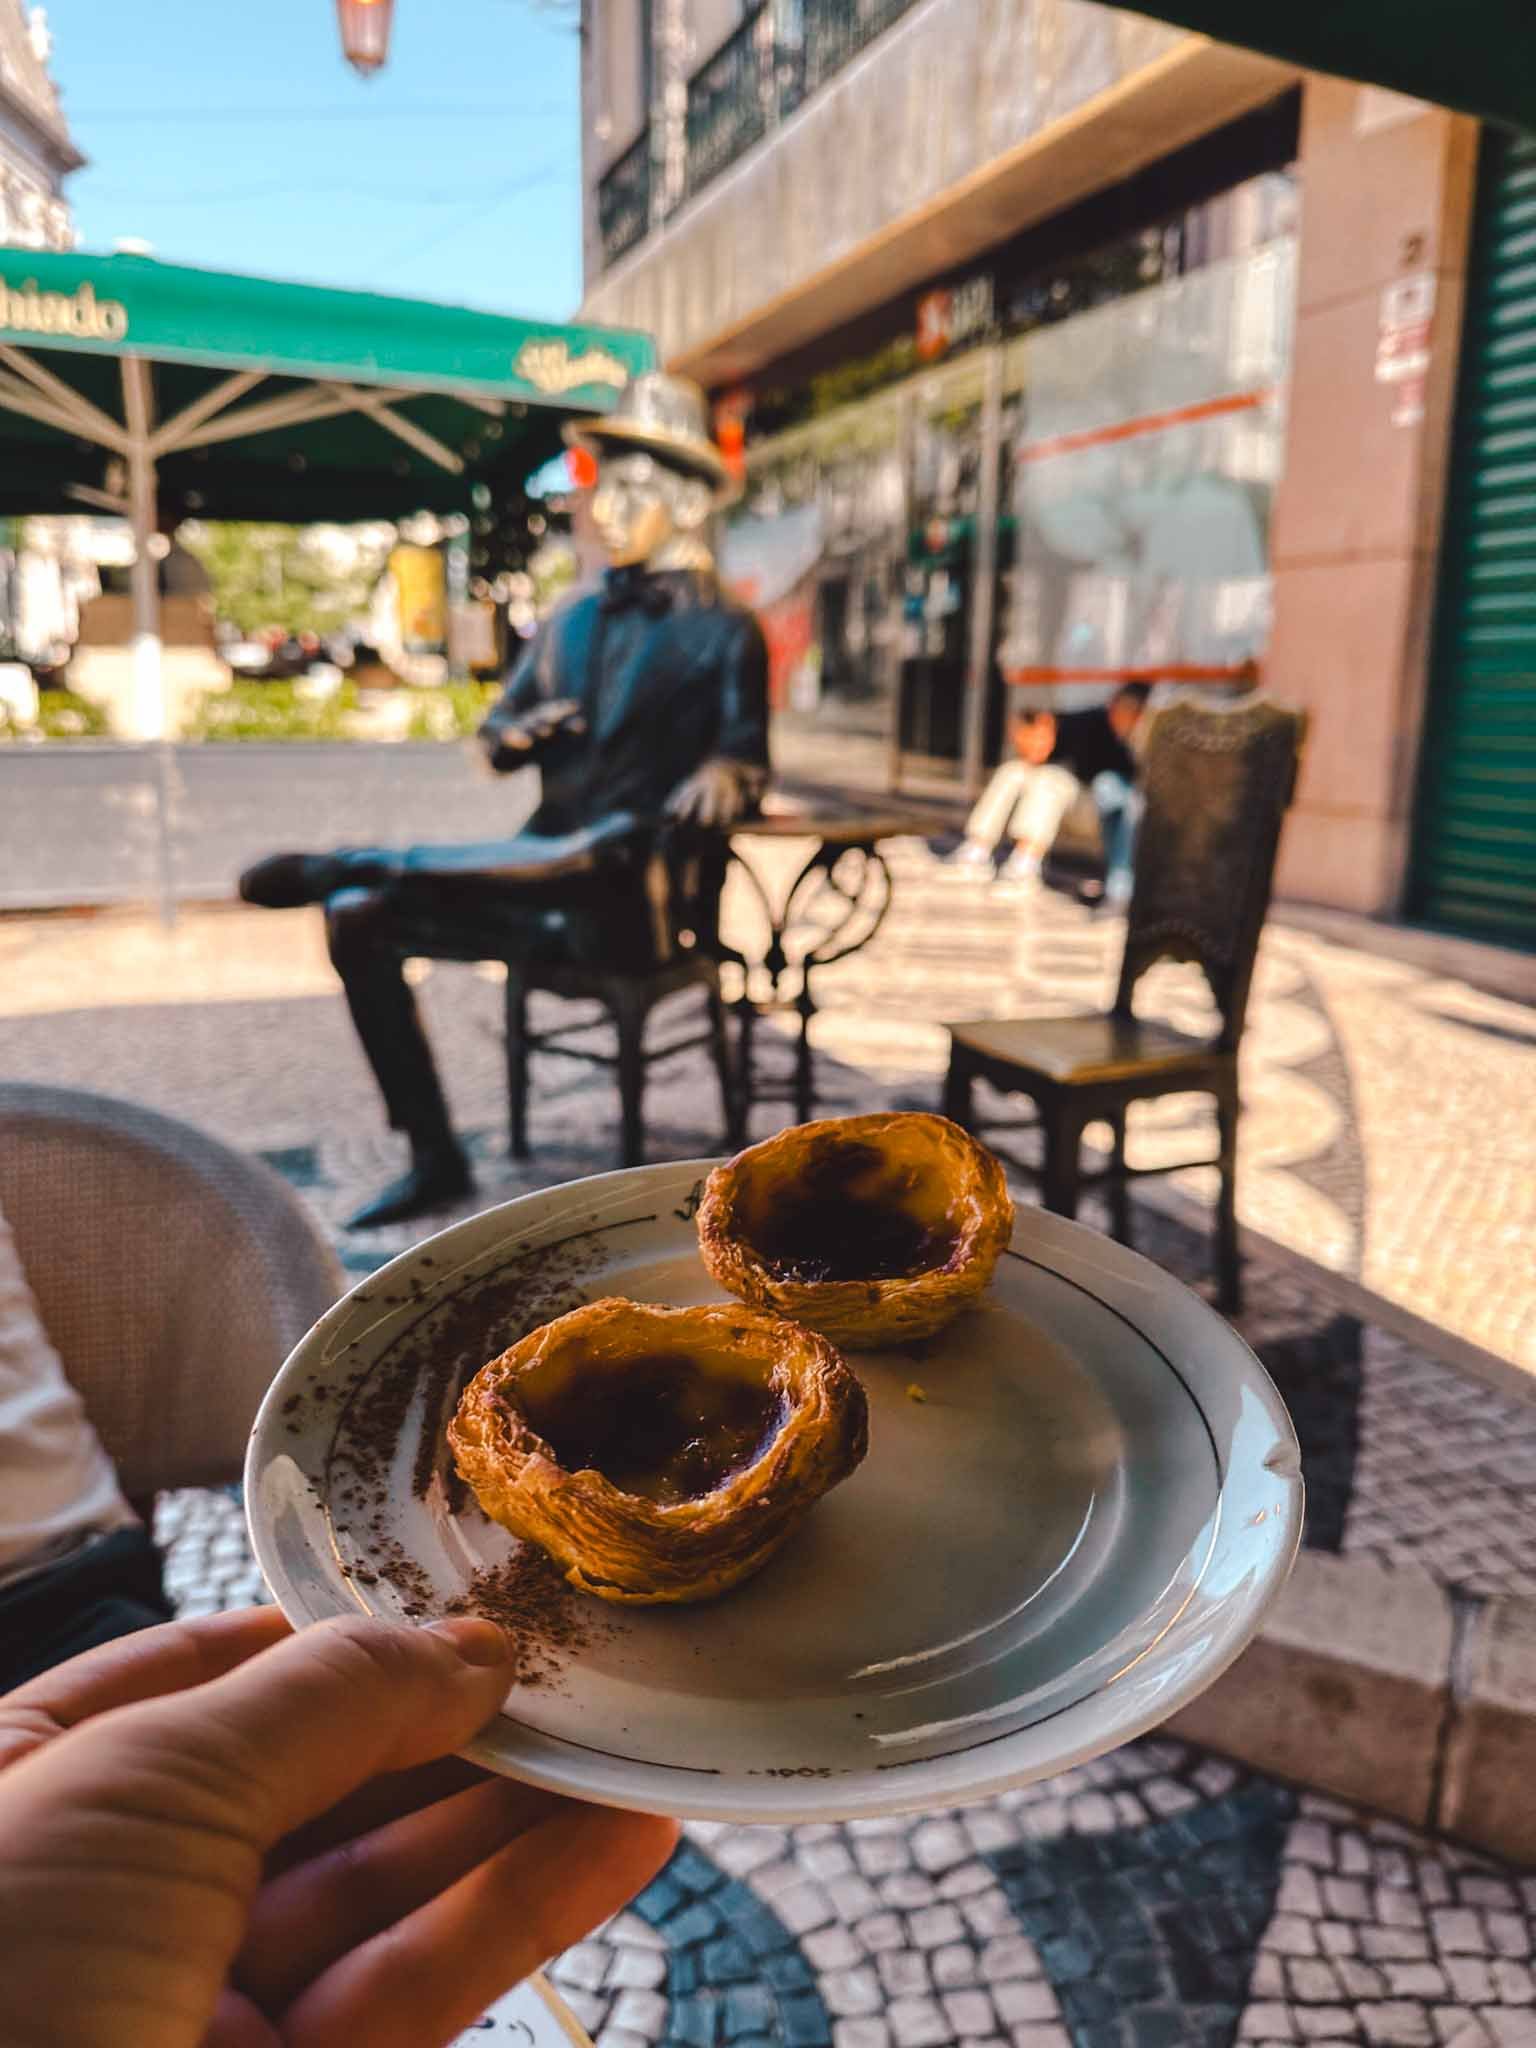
(285, 880)
(431, 1184)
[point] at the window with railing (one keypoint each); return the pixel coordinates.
(834, 32)
(730, 98)
(766, 68)
(624, 199)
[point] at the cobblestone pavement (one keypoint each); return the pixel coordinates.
(1386, 1132)
(1159, 1898)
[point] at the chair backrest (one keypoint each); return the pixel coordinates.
(173, 1275)
(1218, 783)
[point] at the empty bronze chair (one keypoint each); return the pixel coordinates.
(1218, 783)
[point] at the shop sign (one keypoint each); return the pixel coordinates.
(1402, 344)
(549, 366)
(26, 310)
(1402, 336)
(947, 318)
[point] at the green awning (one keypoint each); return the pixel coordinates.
(260, 400)
(1478, 56)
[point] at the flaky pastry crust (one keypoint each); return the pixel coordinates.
(617, 1544)
(934, 1176)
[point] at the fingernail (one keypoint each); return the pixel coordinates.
(480, 1643)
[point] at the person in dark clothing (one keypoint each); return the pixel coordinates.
(1055, 757)
(642, 701)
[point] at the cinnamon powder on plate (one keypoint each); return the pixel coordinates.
(545, 1618)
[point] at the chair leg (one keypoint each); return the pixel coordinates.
(730, 1092)
(1060, 1179)
(517, 1064)
(959, 1084)
(629, 1012)
(1119, 1196)
(746, 1068)
(805, 1072)
(1229, 1264)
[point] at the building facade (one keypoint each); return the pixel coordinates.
(36, 151)
(1059, 346)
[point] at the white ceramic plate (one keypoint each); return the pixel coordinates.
(1074, 1532)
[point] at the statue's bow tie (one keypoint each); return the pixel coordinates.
(626, 588)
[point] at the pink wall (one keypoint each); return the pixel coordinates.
(1386, 198)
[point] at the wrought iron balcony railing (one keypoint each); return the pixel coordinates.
(730, 98)
(782, 52)
(836, 30)
(624, 199)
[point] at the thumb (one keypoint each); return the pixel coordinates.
(300, 1726)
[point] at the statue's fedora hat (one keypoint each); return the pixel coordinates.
(662, 416)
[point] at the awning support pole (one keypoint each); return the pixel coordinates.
(149, 703)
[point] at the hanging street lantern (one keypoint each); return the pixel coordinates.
(365, 33)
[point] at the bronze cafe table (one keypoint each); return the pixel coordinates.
(817, 879)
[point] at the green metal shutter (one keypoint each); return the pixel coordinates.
(1475, 845)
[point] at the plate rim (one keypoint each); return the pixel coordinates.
(928, 1784)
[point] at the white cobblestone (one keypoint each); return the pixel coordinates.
(645, 2011)
(852, 1991)
(802, 1907)
(637, 1969)
(988, 1913)
(861, 2033)
(585, 1966)
(907, 1889)
(954, 1965)
(901, 1972)
(881, 1932)
(917, 2023)
(1024, 1999)
(880, 1855)
(833, 1948)
(1012, 1955)
(743, 1850)
(969, 2012)
(853, 1897)
(938, 1844)
(935, 1926)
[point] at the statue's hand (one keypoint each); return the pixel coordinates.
(715, 794)
(514, 744)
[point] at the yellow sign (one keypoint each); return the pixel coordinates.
(421, 593)
(26, 310)
(550, 366)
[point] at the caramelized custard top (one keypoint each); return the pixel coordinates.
(661, 1428)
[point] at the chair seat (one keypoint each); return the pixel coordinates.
(1090, 1049)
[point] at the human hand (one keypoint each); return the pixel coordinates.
(714, 794)
(221, 1835)
(561, 714)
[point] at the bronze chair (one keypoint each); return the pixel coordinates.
(682, 951)
(1218, 784)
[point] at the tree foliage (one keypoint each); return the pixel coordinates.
(296, 579)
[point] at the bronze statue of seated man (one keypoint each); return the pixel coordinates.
(643, 700)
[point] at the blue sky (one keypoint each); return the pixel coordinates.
(237, 137)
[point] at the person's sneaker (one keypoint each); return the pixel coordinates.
(969, 858)
(1117, 895)
(1021, 870)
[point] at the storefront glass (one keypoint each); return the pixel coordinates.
(1143, 443)
(943, 563)
(816, 547)
(1129, 406)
